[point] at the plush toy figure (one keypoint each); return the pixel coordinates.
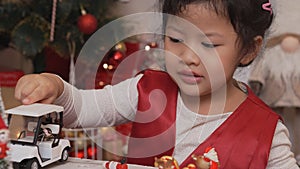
(166, 162)
(275, 77)
(209, 160)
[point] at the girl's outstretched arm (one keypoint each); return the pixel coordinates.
(82, 108)
(109, 106)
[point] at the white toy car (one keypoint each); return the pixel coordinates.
(35, 133)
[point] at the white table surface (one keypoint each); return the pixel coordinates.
(77, 163)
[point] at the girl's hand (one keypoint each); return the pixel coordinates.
(43, 88)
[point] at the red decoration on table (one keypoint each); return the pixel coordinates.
(122, 166)
(115, 165)
(107, 165)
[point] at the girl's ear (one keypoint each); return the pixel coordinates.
(250, 56)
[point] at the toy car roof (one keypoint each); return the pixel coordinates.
(35, 110)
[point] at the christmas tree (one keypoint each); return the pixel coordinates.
(29, 26)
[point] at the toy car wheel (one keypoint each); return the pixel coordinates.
(16, 165)
(32, 164)
(64, 155)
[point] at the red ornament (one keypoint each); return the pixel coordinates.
(118, 166)
(92, 151)
(80, 154)
(118, 55)
(122, 166)
(87, 23)
(107, 165)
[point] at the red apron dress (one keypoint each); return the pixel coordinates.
(242, 141)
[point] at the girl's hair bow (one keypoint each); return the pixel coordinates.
(267, 6)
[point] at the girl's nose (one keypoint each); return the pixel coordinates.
(189, 57)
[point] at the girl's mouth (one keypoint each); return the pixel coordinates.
(190, 77)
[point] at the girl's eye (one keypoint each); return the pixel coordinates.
(175, 40)
(209, 45)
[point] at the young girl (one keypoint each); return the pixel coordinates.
(195, 104)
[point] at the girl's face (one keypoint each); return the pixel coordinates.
(203, 58)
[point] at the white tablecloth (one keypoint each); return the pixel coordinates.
(76, 163)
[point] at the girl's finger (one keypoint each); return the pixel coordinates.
(25, 86)
(37, 94)
(25, 90)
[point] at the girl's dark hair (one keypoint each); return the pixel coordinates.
(246, 16)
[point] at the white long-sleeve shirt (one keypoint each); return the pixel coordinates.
(117, 104)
